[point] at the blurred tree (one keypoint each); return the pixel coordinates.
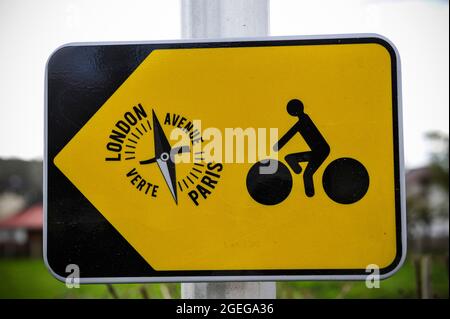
(439, 159)
(427, 191)
(23, 178)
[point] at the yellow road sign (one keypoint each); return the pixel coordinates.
(175, 158)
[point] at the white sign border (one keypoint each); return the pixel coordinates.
(401, 172)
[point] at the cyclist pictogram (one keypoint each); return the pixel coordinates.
(345, 180)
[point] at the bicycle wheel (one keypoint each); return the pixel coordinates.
(345, 180)
(269, 187)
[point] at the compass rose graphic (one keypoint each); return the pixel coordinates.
(191, 174)
(165, 156)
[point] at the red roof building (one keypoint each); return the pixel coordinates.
(31, 218)
(21, 233)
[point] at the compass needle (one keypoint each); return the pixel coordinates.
(162, 155)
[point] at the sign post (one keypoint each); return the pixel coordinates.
(226, 19)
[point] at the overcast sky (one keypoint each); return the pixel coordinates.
(31, 29)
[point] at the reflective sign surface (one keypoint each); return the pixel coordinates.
(263, 158)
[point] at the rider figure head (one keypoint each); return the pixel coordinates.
(295, 107)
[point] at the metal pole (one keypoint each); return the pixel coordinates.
(226, 19)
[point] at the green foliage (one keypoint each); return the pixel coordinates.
(400, 285)
(26, 278)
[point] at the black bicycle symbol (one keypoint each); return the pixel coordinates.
(269, 182)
